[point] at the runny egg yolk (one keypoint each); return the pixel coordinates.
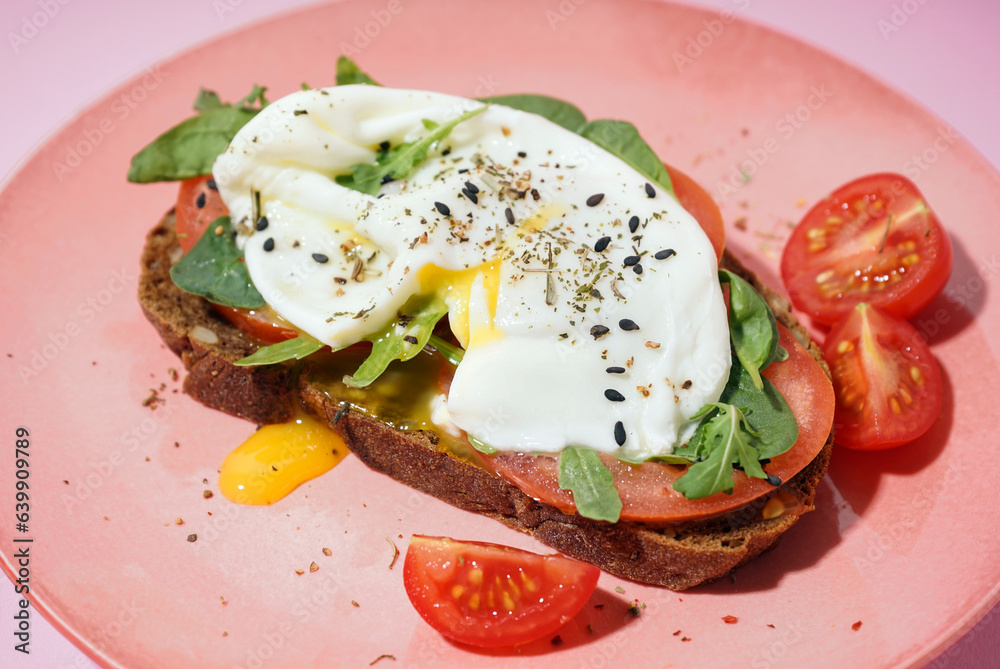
(471, 326)
(455, 287)
(276, 459)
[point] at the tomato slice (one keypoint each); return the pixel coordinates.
(647, 490)
(699, 204)
(198, 204)
(489, 595)
(887, 382)
(873, 240)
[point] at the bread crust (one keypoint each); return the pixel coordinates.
(677, 556)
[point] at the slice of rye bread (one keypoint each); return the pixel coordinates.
(677, 556)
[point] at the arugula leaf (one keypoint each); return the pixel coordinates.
(767, 412)
(481, 446)
(752, 327)
(451, 353)
(291, 349)
(766, 428)
(623, 140)
(416, 322)
(215, 269)
(732, 438)
(582, 472)
(349, 73)
(399, 162)
(555, 110)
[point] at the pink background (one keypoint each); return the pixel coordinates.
(944, 55)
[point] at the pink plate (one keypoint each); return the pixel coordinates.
(900, 543)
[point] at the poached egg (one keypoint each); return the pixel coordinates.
(586, 298)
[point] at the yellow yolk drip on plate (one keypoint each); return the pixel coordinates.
(276, 459)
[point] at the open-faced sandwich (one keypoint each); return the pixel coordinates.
(496, 302)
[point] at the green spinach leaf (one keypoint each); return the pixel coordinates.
(401, 340)
(623, 140)
(349, 73)
(582, 472)
(207, 100)
(215, 269)
(752, 327)
(291, 349)
(555, 110)
(190, 148)
(400, 161)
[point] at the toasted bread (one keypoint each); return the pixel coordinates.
(676, 556)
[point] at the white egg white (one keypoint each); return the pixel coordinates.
(528, 299)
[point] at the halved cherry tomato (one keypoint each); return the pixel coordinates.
(489, 595)
(198, 204)
(873, 240)
(699, 204)
(887, 382)
(647, 490)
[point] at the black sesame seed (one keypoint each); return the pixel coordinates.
(774, 480)
(384, 146)
(262, 223)
(509, 213)
(686, 384)
(446, 151)
(321, 258)
(595, 200)
(620, 433)
(472, 196)
(269, 244)
(463, 170)
(471, 187)
(386, 179)
(599, 331)
(443, 208)
(410, 339)
(615, 370)
(602, 244)
(664, 254)
(614, 395)
(637, 269)
(631, 260)
(211, 184)
(650, 192)
(522, 154)
(633, 224)
(200, 202)
(627, 324)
